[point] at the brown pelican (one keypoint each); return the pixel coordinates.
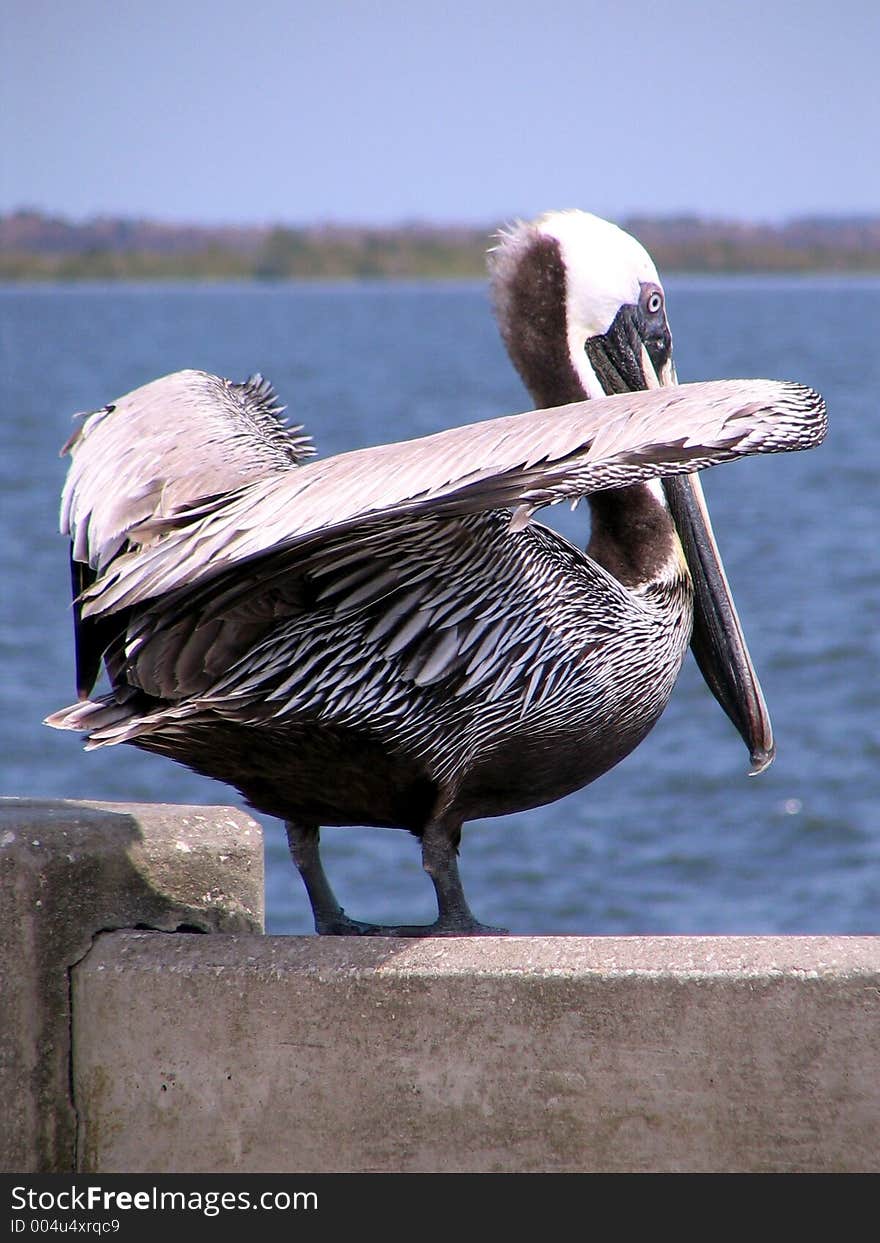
(386, 637)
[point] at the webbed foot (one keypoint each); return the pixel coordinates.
(343, 926)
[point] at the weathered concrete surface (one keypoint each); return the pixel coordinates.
(517, 1054)
(68, 870)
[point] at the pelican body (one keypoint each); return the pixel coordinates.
(388, 637)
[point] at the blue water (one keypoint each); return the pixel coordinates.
(677, 838)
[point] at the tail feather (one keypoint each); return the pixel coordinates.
(114, 718)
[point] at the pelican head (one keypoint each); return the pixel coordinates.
(582, 312)
(580, 307)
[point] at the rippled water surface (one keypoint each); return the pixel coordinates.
(677, 838)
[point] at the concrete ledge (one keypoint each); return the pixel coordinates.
(517, 1054)
(68, 870)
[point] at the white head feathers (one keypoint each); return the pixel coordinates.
(604, 267)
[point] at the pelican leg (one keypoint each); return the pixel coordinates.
(439, 859)
(304, 841)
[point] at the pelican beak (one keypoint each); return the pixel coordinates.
(634, 354)
(717, 641)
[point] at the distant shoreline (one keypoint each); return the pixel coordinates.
(37, 247)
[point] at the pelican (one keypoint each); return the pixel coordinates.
(388, 637)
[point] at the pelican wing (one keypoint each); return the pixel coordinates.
(166, 447)
(521, 461)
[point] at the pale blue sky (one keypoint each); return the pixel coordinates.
(303, 111)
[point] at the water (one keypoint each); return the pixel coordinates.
(677, 839)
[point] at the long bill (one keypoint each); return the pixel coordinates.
(718, 642)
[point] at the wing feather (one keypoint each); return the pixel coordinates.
(165, 447)
(526, 460)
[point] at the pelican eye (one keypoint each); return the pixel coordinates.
(654, 302)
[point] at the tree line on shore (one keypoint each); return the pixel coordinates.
(37, 246)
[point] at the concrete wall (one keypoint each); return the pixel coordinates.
(69, 870)
(169, 1051)
(505, 1054)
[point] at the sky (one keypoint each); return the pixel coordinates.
(301, 111)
